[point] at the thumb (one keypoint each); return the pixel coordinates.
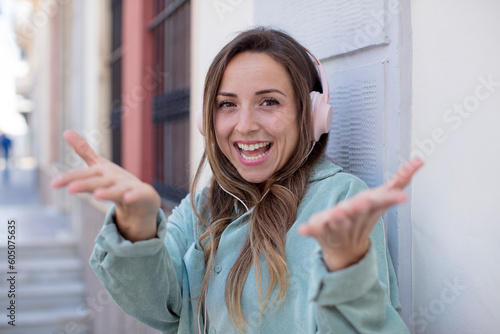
(81, 147)
(404, 174)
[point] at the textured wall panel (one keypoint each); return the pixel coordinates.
(356, 136)
(329, 28)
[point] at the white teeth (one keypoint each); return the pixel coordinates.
(253, 158)
(252, 147)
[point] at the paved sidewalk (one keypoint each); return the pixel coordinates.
(48, 285)
(19, 200)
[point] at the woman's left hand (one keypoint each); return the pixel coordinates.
(343, 231)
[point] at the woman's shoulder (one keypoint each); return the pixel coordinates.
(198, 198)
(183, 218)
(326, 171)
(328, 180)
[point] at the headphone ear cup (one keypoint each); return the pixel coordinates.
(321, 114)
(314, 109)
(199, 121)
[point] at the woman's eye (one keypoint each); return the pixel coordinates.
(270, 102)
(226, 104)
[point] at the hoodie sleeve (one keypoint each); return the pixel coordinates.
(362, 298)
(145, 277)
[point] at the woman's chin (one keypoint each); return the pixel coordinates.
(255, 179)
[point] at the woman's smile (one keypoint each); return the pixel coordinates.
(253, 153)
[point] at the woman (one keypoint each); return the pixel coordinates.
(234, 257)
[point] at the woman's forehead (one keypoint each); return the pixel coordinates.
(250, 70)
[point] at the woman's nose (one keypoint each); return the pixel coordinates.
(247, 122)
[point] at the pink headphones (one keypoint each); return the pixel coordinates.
(321, 109)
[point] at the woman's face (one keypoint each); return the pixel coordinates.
(256, 116)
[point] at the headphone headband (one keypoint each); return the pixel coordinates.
(322, 74)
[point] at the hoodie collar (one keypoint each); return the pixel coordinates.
(324, 169)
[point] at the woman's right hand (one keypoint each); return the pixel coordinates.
(137, 203)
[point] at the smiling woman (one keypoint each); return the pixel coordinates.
(235, 257)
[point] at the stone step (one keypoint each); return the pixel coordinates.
(35, 249)
(50, 292)
(50, 321)
(69, 295)
(35, 222)
(72, 328)
(45, 270)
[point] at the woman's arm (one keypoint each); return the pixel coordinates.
(145, 278)
(362, 298)
(354, 274)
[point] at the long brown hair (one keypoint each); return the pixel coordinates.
(275, 213)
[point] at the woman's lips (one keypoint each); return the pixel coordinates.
(252, 154)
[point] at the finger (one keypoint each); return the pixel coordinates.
(339, 232)
(114, 193)
(345, 210)
(64, 179)
(358, 215)
(311, 229)
(353, 208)
(319, 224)
(362, 209)
(373, 219)
(89, 184)
(81, 147)
(352, 218)
(404, 174)
(381, 198)
(370, 200)
(136, 193)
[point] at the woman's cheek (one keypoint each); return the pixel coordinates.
(278, 126)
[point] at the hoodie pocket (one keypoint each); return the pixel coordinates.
(195, 268)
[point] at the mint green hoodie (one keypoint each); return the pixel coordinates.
(155, 280)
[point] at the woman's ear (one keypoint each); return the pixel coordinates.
(199, 121)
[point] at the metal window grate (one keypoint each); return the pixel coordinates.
(115, 62)
(170, 27)
(171, 106)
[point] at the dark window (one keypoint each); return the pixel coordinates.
(116, 81)
(171, 30)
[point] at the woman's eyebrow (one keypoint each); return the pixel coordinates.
(260, 92)
(272, 90)
(227, 94)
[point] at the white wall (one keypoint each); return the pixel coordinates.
(92, 71)
(456, 220)
(40, 32)
(213, 24)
